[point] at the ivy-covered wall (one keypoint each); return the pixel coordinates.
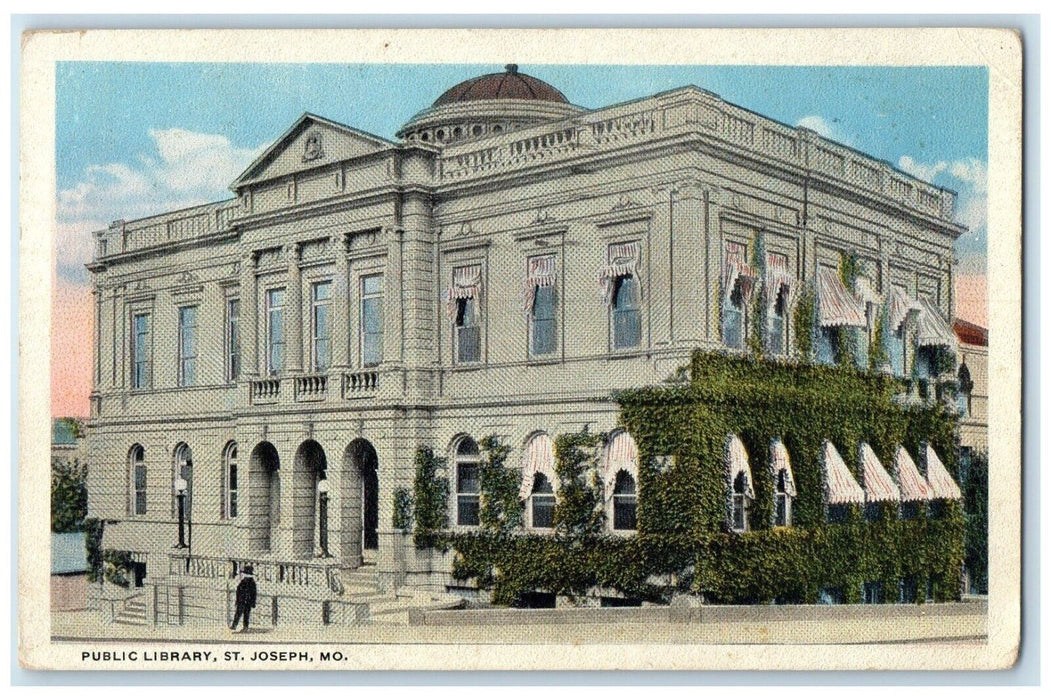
(683, 542)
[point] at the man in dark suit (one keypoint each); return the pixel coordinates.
(245, 598)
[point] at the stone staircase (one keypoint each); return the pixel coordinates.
(133, 611)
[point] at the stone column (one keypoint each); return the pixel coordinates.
(713, 266)
(294, 312)
(341, 309)
(393, 319)
(661, 278)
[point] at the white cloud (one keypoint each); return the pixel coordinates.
(822, 127)
(969, 177)
(185, 168)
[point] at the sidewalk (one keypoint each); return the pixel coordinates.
(963, 622)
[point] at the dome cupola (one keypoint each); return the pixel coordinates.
(488, 104)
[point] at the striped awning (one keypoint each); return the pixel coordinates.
(737, 464)
(538, 458)
(622, 454)
(878, 484)
(933, 329)
(899, 306)
(835, 305)
(736, 268)
(912, 484)
(840, 486)
(621, 259)
(779, 462)
(776, 278)
(540, 272)
(466, 284)
(942, 484)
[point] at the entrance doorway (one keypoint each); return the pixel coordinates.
(307, 471)
(264, 497)
(360, 497)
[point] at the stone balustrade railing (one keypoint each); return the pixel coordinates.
(265, 390)
(291, 573)
(311, 387)
(703, 113)
(360, 383)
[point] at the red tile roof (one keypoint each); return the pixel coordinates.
(970, 333)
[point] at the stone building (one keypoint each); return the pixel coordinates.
(973, 385)
(270, 363)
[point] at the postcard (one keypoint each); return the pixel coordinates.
(520, 349)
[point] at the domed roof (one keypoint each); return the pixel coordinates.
(509, 85)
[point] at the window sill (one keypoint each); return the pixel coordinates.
(554, 359)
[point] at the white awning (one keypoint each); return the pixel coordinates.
(622, 454)
(865, 291)
(779, 462)
(899, 306)
(776, 278)
(942, 484)
(912, 484)
(737, 464)
(840, 486)
(621, 259)
(835, 305)
(933, 329)
(540, 272)
(878, 484)
(466, 284)
(735, 268)
(538, 458)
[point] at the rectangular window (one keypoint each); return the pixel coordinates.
(783, 510)
(872, 512)
(371, 323)
(320, 333)
(837, 513)
(775, 342)
(740, 516)
(543, 510)
(140, 351)
(626, 319)
(467, 493)
(734, 312)
(275, 331)
(908, 590)
(872, 592)
(233, 339)
(468, 334)
(910, 510)
(827, 345)
(187, 345)
(543, 323)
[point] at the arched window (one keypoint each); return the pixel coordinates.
(740, 503)
(137, 465)
(542, 503)
(964, 385)
(624, 502)
(784, 484)
(741, 491)
(230, 481)
(468, 488)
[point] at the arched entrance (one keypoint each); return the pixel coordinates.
(307, 470)
(360, 499)
(264, 497)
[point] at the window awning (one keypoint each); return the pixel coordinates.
(539, 458)
(835, 305)
(942, 483)
(933, 330)
(467, 284)
(621, 259)
(540, 272)
(776, 278)
(865, 291)
(899, 306)
(622, 454)
(878, 484)
(735, 268)
(779, 462)
(840, 486)
(737, 464)
(912, 484)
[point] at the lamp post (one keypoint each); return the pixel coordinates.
(180, 491)
(322, 492)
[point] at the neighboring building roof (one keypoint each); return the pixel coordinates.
(509, 85)
(970, 333)
(69, 555)
(63, 432)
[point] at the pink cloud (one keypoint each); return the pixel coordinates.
(971, 300)
(72, 340)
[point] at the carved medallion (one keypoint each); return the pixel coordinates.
(312, 147)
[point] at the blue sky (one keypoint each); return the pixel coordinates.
(140, 138)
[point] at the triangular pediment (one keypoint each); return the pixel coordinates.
(310, 143)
